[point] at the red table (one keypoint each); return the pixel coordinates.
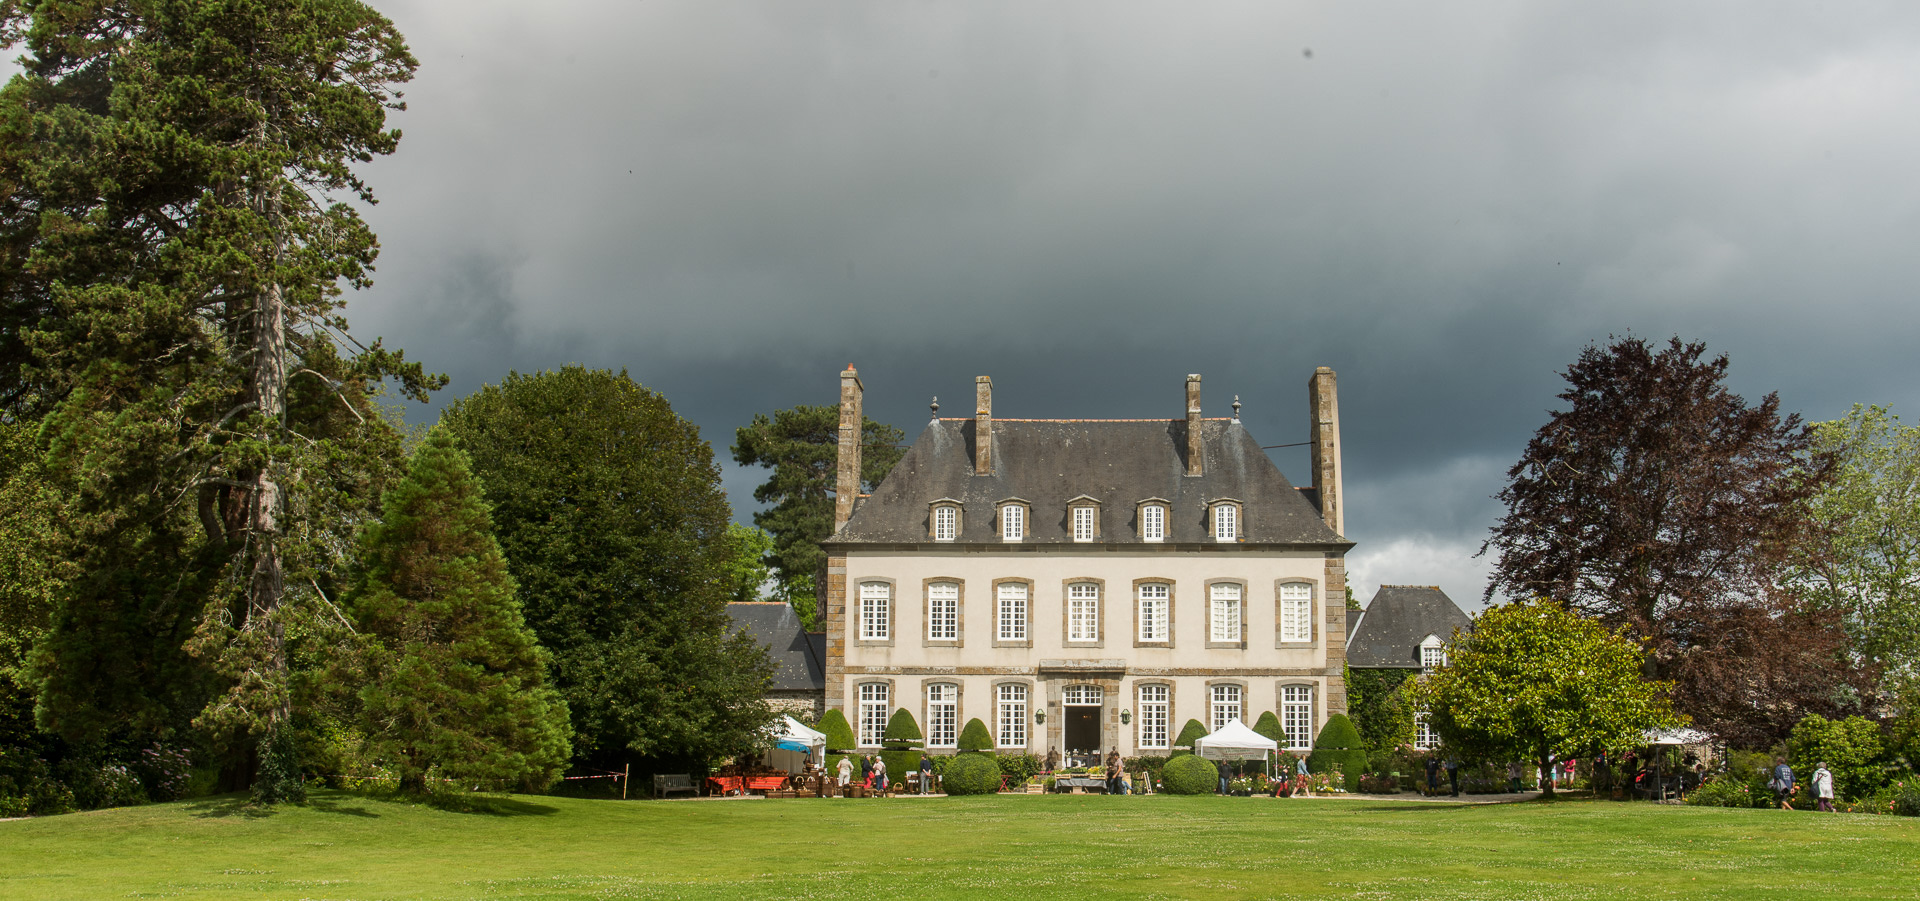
(733, 785)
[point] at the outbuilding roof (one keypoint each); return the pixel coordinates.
(1048, 463)
(1389, 632)
(799, 656)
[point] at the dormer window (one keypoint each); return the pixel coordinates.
(1013, 519)
(1433, 652)
(944, 520)
(1153, 520)
(1083, 515)
(1226, 520)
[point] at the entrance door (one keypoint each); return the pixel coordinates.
(1082, 730)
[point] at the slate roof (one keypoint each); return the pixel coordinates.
(1398, 618)
(799, 656)
(1117, 462)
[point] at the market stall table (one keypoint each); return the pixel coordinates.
(733, 785)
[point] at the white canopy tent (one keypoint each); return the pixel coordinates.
(1681, 736)
(1234, 741)
(792, 744)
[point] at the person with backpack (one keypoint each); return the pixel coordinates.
(1782, 782)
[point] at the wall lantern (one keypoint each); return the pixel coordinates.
(1126, 716)
(1039, 716)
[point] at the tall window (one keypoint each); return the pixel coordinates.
(943, 715)
(1013, 611)
(946, 521)
(1154, 597)
(943, 611)
(1013, 716)
(1083, 612)
(1225, 527)
(1083, 520)
(1296, 716)
(1424, 738)
(1296, 612)
(1013, 522)
(1226, 705)
(875, 599)
(1153, 716)
(873, 713)
(1153, 523)
(1226, 612)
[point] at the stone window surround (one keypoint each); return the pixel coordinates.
(1313, 613)
(959, 708)
(959, 613)
(1173, 720)
(959, 518)
(1000, 518)
(1173, 596)
(1245, 701)
(1166, 518)
(893, 613)
(1239, 519)
(893, 703)
(998, 642)
(1206, 595)
(994, 689)
(1313, 708)
(1084, 502)
(1066, 612)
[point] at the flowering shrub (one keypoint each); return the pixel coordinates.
(1379, 783)
(1722, 792)
(165, 772)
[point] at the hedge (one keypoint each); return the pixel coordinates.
(975, 736)
(1189, 775)
(972, 774)
(1339, 745)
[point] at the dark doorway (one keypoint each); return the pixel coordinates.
(1082, 729)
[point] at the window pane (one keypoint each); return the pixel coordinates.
(1223, 522)
(1083, 612)
(942, 715)
(1083, 518)
(1013, 716)
(1153, 612)
(1226, 612)
(873, 712)
(1226, 705)
(943, 611)
(1153, 716)
(1296, 612)
(1153, 522)
(1013, 611)
(1424, 737)
(1012, 521)
(943, 523)
(1296, 716)
(874, 604)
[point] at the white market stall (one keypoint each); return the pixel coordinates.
(792, 745)
(1234, 741)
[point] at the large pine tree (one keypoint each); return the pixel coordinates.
(454, 682)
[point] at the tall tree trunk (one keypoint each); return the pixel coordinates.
(266, 586)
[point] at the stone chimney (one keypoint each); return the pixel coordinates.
(1194, 465)
(1324, 403)
(846, 488)
(982, 426)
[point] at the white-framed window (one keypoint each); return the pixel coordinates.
(1424, 738)
(946, 522)
(1084, 696)
(1226, 522)
(1083, 523)
(874, 709)
(1296, 612)
(1013, 716)
(943, 611)
(1154, 715)
(1153, 523)
(1013, 522)
(1155, 597)
(943, 715)
(1013, 611)
(1226, 611)
(1432, 656)
(876, 599)
(1226, 705)
(1083, 612)
(1296, 716)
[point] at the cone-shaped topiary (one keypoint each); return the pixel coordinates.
(901, 727)
(1190, 775)
(975, 736)
(839, 736)
(899, 740)
(1340, 743)
(971, 774)
(1268, 726)
(1184, 744)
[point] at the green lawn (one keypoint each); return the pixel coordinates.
(983, 849)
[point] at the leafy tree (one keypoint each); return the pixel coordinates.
(1661, 502)
(1534, 680)
(802, 447)
(746, 564)
(609, 509)
(1379, 709)
(1851, 749)
(975, 737)
(173, 248)
(1864, 563)
(454, 680)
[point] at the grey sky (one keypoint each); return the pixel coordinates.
(1089, 200)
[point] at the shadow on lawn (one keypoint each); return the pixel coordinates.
(490, 805)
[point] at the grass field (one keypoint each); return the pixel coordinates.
(343, 846)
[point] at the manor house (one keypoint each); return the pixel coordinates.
(1083, 586)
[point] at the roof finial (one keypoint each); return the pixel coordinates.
(1236, 408)
(936, 406)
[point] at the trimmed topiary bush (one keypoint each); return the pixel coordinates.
(898, 741)
(1268, 726)
(972, 774)
(1189, 775)
(1191, 731)
(1339, 744)
(975, 736)
(839, 736)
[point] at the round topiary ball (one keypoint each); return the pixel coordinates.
(971, 774)
(1190, 775)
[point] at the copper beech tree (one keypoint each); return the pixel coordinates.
(1660, 502)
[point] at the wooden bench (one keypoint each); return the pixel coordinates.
(665, 785)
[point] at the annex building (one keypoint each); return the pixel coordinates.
(1085, 586)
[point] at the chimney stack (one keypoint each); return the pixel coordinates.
(1325, 406)
(982, 426)
(852, 422)
(1194, 466)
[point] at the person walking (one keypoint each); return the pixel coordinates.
(1513, 777)
(1823, 787)
(1782, 782)
(846, 772)
(880, 774)
(1433, 775)
(1113, 772)
(1453, 774)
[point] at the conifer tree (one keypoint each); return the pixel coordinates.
(454, 681)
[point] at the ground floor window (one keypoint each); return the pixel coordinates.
(942, 714)
(1013, 716)
(1296, 716)
(1226, 705)
(1153, 716)
(873, 713)
(1424, 738)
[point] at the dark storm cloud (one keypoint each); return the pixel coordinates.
(1088, 201)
